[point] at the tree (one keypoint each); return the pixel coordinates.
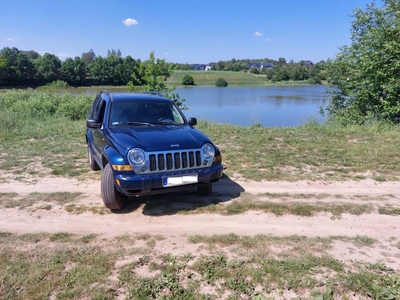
(98, 72)
(365, 75)
(152, 75)
(114, 53)
(74, 71)
(31, 54)
(48, 67)
(16, 68)
(187, 80)
(88, 57)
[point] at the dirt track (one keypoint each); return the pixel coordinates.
(160, 214)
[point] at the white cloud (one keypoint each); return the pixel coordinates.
(267, 40)
(10, 39)
(62, 55)
(258, 33)
(129, 22)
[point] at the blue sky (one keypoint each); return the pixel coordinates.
(189, 31)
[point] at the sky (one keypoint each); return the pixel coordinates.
(181, 31)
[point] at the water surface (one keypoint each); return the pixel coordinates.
(269, 106)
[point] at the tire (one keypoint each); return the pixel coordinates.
(205, 190)
(112, 198)
(92, 162)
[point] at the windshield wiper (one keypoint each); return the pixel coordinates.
(168, 122)
(139, 123)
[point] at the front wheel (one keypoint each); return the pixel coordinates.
(205, 190)
(112, 198)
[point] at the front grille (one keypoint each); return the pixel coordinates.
(179, 160)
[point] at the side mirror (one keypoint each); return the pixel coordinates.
(91, 123)
(192, 121)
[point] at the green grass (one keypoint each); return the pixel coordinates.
(67, 266)
(208, 78)
(309, 152)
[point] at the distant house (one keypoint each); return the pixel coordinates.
(209, 66)
(267, 65)
(308, 62)
(263, 65)
(199, 66)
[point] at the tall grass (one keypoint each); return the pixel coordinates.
(36, 104)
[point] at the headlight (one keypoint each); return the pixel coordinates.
(136, 156)
(208, 150)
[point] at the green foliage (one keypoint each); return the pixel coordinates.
(48, 67)
(39, 105)
(58, 84)
(152, 75)
(73, 107)
(15, 68)
(221, 82)
(365, 74)
(74, 71)
(187, 80)
(88, 57)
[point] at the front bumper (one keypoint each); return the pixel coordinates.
(137, 185)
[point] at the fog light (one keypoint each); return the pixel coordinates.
(144, 168)
(205, 162)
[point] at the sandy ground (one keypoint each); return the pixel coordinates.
(159, 215)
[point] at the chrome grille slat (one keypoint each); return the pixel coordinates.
(177, 160)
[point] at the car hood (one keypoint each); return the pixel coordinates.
(156, 138)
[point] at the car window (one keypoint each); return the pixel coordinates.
(98, 113)
(97, 110)
(94, 107)
(143, 112)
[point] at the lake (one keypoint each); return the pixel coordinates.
(270, 106)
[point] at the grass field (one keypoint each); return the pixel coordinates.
(208, 78)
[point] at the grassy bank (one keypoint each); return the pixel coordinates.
(208, 78)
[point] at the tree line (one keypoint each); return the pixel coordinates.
(274, 70)
(28, 68)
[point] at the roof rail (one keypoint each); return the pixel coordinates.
(155, 93)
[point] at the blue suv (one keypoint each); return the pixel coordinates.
(144, 145)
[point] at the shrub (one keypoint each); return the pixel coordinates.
(58, 84)
(221, 82)
(187, 80)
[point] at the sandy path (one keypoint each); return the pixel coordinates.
(144, 219)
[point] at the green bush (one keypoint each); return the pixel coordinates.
(221, 82)
(75, 107)
(187, 80)
(58, 84)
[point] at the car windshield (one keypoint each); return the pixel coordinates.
(142, 113)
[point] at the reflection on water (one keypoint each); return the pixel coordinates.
(270, 106)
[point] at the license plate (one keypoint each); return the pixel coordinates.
(180, 180)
